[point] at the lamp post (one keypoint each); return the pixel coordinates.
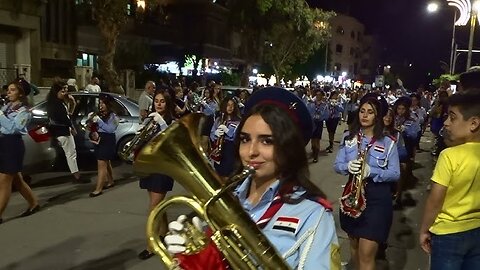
(466, 12)
(473, 23)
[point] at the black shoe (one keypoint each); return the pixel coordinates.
(1, 220)
(145, 255)
(32, 211)
(81, 180)
(93, 194)
(315, 160)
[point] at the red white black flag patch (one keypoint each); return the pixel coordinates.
(289, 224)
(379, 148)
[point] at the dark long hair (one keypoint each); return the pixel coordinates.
(390, 130)
(169, 105)
(21, 84)
(52, 94)
(236, 110)
(290, 155)
(355, 126)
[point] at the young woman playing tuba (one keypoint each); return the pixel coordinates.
(280, 198)
(371, 160)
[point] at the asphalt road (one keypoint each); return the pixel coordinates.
(73, 231)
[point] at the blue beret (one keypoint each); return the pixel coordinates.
(289, 102)
(380, 100)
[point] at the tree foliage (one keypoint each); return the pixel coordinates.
(279, 33)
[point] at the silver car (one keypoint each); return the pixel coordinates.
(125, 108)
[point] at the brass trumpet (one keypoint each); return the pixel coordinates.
(177, 153)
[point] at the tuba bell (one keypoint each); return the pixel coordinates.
(177, 153)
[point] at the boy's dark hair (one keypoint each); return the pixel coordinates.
(468, 103)
(470, 79)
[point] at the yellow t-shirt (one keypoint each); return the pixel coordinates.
(458, 169)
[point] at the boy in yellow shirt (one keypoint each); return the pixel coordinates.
(450, 229)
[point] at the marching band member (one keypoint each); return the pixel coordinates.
(392, 131)
(158, 185)
(209, 107)
(409, 128)
(291, 211)
(222, 135)
(319, 112)
(105, 150)
(14, 117)
(365, 149)
(336, 110)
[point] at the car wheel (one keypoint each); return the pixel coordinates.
(121, 145)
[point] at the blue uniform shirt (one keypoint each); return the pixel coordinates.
(210, 107)
(411, 127)
(319, 112)
(335, 109)
(382, 158)
(304, 233)
(230, 135)
(14, 120)
(110, 126)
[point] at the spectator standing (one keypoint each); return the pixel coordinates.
(450, 229)
(61, 126)
(145, 100)
(72, 85)
(93, 86)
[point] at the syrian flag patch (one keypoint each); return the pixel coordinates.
(289, 224)
(379, 148)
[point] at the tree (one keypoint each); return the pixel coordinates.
(279, 32)
(297, 34)
(111, 16)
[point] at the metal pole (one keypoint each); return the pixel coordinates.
(453, 47)
(473, 22)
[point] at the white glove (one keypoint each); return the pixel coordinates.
(224, 128)
(90, 115)
(354, 166)
(95, 119)
(175, 241)
(1, 113)
(157, 118)
(219, 132)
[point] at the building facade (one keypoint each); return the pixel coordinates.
(352, 51)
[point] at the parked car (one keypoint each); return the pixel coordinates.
(125, 108)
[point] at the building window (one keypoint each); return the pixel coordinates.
(359, 36)
(352, 34)
(337, 67)
(339, 48)
(340, 30)
(352, 51)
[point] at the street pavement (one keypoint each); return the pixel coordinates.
(73, 231)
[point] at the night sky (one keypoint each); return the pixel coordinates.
(409, 34)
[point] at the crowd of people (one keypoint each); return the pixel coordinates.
(263, 130)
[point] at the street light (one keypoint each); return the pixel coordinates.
(460, 18)
(473, 21)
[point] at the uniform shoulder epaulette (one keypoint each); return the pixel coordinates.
(393, 138)
(322, 201)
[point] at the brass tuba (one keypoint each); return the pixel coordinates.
(177, 153)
